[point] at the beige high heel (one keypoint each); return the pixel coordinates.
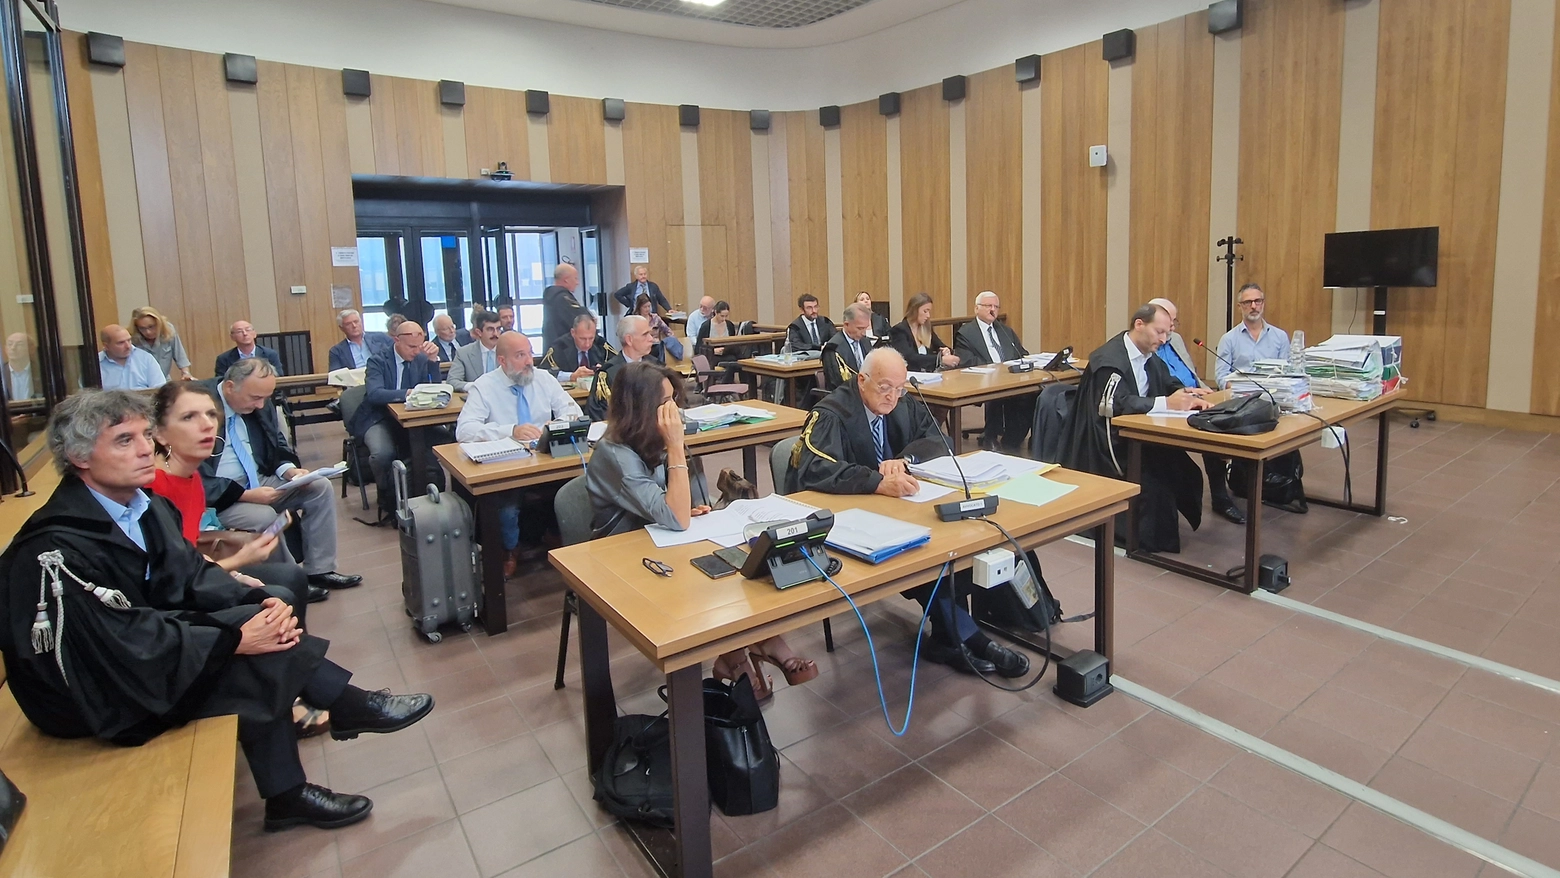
(793, 667)
(728, 670)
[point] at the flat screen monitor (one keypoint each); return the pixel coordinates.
(1381, 258)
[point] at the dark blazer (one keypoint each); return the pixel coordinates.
(381, 379)
(559, 308)
(879, 325)
(796, 334)
(267, 442)
(840, 363)
(563, 356)
(628, 291)
(227, 358)
(447, 349)
(341, 351)
(705, 346)
(600, 398)
(463, 337)
(970, 344)
(835, 453)
(903, 341)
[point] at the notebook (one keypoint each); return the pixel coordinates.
(495, 451)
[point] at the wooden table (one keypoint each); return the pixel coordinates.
(682, 621)
(485, 486)
(787, 372)
(415, 421)
(961, 387)
(1293, 432)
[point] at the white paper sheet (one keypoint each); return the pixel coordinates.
(724, 526)
(324, 472)
(929, 492)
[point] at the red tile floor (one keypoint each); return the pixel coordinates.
(994, 784)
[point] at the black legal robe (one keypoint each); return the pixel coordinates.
(1170, 482)
(836, 453)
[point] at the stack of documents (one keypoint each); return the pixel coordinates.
(724, 526)
(977, 475)
(708, 417)
(927, 377)
(1355, 366)
(1033, 489)
(429, 396)
(495, 451)
(1291, 392)
(872, 537)
(347, 377)
(324, 472)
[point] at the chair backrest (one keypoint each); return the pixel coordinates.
(746, 327)
(572, 507)
(295, 348)
(351, 400)
(780, 461)
(701, 363)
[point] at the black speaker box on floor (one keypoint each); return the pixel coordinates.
(1027, 68)
(1119, 44)
(1272, 573)
(954, 88)
(829, 117)
(1084, 678)
(1225, 15)
(355, 83)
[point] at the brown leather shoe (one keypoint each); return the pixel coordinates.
(511, 561)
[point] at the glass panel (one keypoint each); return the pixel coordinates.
(446, 268)
(591, 270)
(532, 257)
(22, 374)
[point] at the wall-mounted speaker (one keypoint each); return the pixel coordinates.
(536, 102)
(612, 109)
(954, 88)
(240, 68)
(1225, 16)
(1027, 68)
(688, 115)
(106, 49)
(452, 93)
(829, 117)
(758, 120)
(888, 105)
(355, 83)
(1119, 44)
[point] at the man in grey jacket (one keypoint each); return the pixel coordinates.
(1179, 359)
(481, 356)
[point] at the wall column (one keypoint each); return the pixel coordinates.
(958, 216)
(1119, 298)
(1225, 190)
(693, 213)
(1031, 214)
(834, 210)
(1351, 309)
(896, 222)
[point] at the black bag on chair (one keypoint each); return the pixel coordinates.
(743, 766)
(1283, 485)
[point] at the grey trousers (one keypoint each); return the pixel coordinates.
(318, 502)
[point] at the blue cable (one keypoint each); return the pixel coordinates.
(584, 466)
(915, 660)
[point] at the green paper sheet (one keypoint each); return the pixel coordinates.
(1036, 490)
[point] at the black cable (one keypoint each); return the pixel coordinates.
(1045, 618)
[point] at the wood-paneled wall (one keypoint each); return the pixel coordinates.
(809, 209)
(652, 170)
(726, 204)
(994, 189)
(1546, 378)
(864, 199)
(1075, 96)
(923, 186)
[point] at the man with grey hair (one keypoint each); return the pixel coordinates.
(245, 346)
(638, 339)
(700, 316)
(158, 635)
(444, 337)
(19, 382)
(246, 477)
(560, 304)
(123, 366)
(986, 341)
(1179, 360)
(845, 351)
(353, 351)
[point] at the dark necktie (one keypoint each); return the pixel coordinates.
(812, 330)
(408, 377)
(996, 345)
(880, 440)
(584, 358)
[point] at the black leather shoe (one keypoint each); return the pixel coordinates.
(959, 659)
(314, 805)
(334, 580)
(1229, 512)
(1009, 663)
(317, 594)
(383, 714)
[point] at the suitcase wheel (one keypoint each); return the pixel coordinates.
(434, 636)
(465, 626)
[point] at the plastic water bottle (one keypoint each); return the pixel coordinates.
(1297, 352)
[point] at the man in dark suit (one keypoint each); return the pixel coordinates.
(243, 478)
(638, 339)
(843, 353)
(854, 442)
(353, 351)
(444, 337)
(579, 353)
(810, 329)
(244, 347)
(642, 284)
(982, 342)
(559, 304)
(390, 375)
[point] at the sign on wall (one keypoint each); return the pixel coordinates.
(638, 254)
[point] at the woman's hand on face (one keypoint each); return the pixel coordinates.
(668, 419)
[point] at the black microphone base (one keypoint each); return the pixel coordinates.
(958, 510)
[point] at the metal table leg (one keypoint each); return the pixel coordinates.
(1105, 588)
(690, 782)
(495, 609)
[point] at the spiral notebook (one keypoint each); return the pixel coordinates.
(495, 451)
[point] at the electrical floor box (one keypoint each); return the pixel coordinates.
(993, 567)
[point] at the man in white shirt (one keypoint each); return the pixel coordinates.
(123, 366)
(701, 316)
(515, 401)
(481, 356)
(987, 341)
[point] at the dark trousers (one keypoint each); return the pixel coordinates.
(1218, 469)
(951, 623)
(271, 747)
(1008, 422)
(284, 575)
(388, 442)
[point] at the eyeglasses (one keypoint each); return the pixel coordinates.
(1248, 302)
(890, 390)
(659, 568)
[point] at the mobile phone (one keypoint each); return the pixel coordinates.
(277, 526)
(712, 566)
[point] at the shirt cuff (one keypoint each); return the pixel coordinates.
(281, 471)
(1160, 406)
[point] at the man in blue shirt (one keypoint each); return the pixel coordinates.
(123, 366)
(353, 351)
(1254, 339)
(1179, 359)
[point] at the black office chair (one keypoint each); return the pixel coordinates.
(352, 450)
(571, 505)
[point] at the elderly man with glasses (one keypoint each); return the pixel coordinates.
(243, 334)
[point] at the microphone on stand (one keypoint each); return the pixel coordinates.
(969, 507)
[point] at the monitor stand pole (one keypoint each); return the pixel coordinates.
(1379, 327)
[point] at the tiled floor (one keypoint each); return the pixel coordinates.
(997, 784)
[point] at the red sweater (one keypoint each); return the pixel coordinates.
(187, 495)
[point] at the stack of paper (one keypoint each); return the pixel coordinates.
(429, 396)
(324, 472)
(347, 377)
(872, 537)
(1291, 392)
(976, 474)
(724, 526)
(1355, 366)
(494, 451)
(927, 377)
(708, 417)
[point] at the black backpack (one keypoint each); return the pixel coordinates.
(1240, 415)
(634, 781)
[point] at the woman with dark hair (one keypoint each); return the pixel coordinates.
(917, 342)
(718, 326)
(664, 337)
(638, 475)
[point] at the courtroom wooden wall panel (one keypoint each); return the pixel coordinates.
(340, 213)
(726, 211)
(281, 188)
(1290, 104)
(779, 218)
(228, 299)
(496, 131)
(994, 171)
(154, 186)
(187, 187)
(381, 104)
(652, 175)
(1075, 115)
(864, 200)
(923, 162)
(1545, 394)
(1440, 111)
(94, 207)
(1172, 145)
(576, 141)
(809, 212)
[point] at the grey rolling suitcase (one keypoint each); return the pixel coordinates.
(440, 565)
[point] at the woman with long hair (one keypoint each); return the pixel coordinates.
(917, 342)
(658, 327)
(879, 322)
(718, 326)
(638, 475)
(158, 337)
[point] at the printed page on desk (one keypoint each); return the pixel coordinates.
(1033, 489)
(724, 526)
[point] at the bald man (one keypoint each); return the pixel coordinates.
(1179, 360)
(701, 316)
(444, 337)
(561, 303)
(243, 334)
(123, 366)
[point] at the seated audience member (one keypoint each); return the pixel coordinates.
(663, 333)
(879, 322)
(843, 353)
(444, 337)
(639, 475)
(244, 347)
(506, 318)
(700, 316)
(560, 305)
(810, 329)
(463, 336)
(916, 340)
(637, 341)
(158, 337)
(1179, 361)
(719, 326)
(353, 351)
(983, 342)
(390, 375)
(641, 285)
(480, 357)
(580, 353)
(123, 366)
(19, 383)
(167, 637)
(244, 479)
(853, 442)
(1170, 481)
(515, 401)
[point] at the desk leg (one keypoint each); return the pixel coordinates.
(790, 392)
(690, 782)
(1253, 526)
(955, 431)
(495, 609)
(1135, 476)
(750, 463)
(418, 483)
(1105, 588)
(596, 681)
(1383, 431)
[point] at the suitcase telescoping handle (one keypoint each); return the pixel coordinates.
(398, 467)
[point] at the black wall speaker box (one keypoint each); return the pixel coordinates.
(1225, 16)
(888, 105)
(758, 120)
(355, 83)
(954, 88)
(1119, 44)
(1272, 573)
(452, 93)
(688, 115)
(829, 117)
(106, 49)
(1027, 68)
(240, 68)
(612, 109)
(1084, 678)
(536, 102)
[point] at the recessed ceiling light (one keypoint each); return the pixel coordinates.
(705, 2)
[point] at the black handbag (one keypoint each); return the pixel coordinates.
(1283, 484)
(743, 766)
(11, 804)
(634, 780)
(1240, 415)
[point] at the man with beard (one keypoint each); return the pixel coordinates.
(515, 401)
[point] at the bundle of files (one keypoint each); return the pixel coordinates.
(927, 377)
(708, 417)
(979, 473)
(874, 538)
(1291, 392)
(429, 396)
(1355, 366)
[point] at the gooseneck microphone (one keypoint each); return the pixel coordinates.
(958, 509)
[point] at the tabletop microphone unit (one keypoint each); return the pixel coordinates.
(564, 436)
(1062, 359)
(1021, 366)
(969, 507)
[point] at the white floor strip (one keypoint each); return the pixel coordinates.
(1429, 824)
(1446, 652)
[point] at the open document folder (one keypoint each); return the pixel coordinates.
(873, 537)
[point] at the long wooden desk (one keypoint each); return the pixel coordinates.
(485, 485)
(1293, 432)
(679, 622)
(787, 372)
(961, 387)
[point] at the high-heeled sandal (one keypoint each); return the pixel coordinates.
(725, 670)
(801, 669)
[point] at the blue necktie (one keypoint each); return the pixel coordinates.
(522, 405)
(408, 377)
(245, 459)
(880, 440)
(489, 363)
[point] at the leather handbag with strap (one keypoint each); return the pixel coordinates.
(219, 545)
(1240, 415)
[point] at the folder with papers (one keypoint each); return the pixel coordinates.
(874, 538)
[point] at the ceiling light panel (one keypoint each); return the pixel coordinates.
(747, 13)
